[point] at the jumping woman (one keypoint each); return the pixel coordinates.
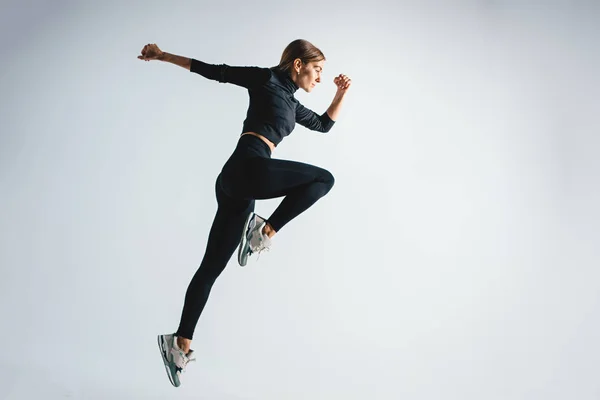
(251, 174)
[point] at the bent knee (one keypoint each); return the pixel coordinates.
(327, 178)
(331, 179)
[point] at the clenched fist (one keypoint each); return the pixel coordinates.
(151, 52)
(343, 82)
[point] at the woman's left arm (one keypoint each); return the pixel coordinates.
(343, 83)
(325, 121)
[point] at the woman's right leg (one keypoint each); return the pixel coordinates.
(301, 185)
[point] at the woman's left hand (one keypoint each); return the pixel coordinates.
(343, 82)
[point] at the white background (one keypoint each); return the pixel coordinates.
(455, 258)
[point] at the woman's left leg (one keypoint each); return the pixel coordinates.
(223, 240)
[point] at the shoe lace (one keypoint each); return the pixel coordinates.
(182, 360)
(263, 245)
(260, 250)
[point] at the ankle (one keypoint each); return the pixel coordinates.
(184, 344)
(268, 230)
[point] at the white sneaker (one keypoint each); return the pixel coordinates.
(174, 358)
(253, 239)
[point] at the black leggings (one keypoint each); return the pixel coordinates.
(250, 174)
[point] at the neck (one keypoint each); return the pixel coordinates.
(290, 77)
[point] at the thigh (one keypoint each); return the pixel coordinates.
(267, 178)
(228, 225)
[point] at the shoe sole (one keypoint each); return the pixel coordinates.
(243, 248)
(162, 346)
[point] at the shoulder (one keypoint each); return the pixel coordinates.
(264, 76)
(277, 74)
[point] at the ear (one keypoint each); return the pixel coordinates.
(297, 64)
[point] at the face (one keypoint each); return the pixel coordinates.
(308, 75)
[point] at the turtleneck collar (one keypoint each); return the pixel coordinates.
(286, 79)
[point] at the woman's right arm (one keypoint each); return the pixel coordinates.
(152, 52)
(248, 77)
(183, 62)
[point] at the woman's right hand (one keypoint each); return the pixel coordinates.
(151, 52)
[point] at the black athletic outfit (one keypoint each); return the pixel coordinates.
(251, 174)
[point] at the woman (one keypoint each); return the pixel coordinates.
(251, 174)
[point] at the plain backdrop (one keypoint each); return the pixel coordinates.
(455, 258)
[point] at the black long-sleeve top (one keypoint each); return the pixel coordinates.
(273, 110)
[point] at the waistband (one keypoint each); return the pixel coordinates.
(254, 144)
